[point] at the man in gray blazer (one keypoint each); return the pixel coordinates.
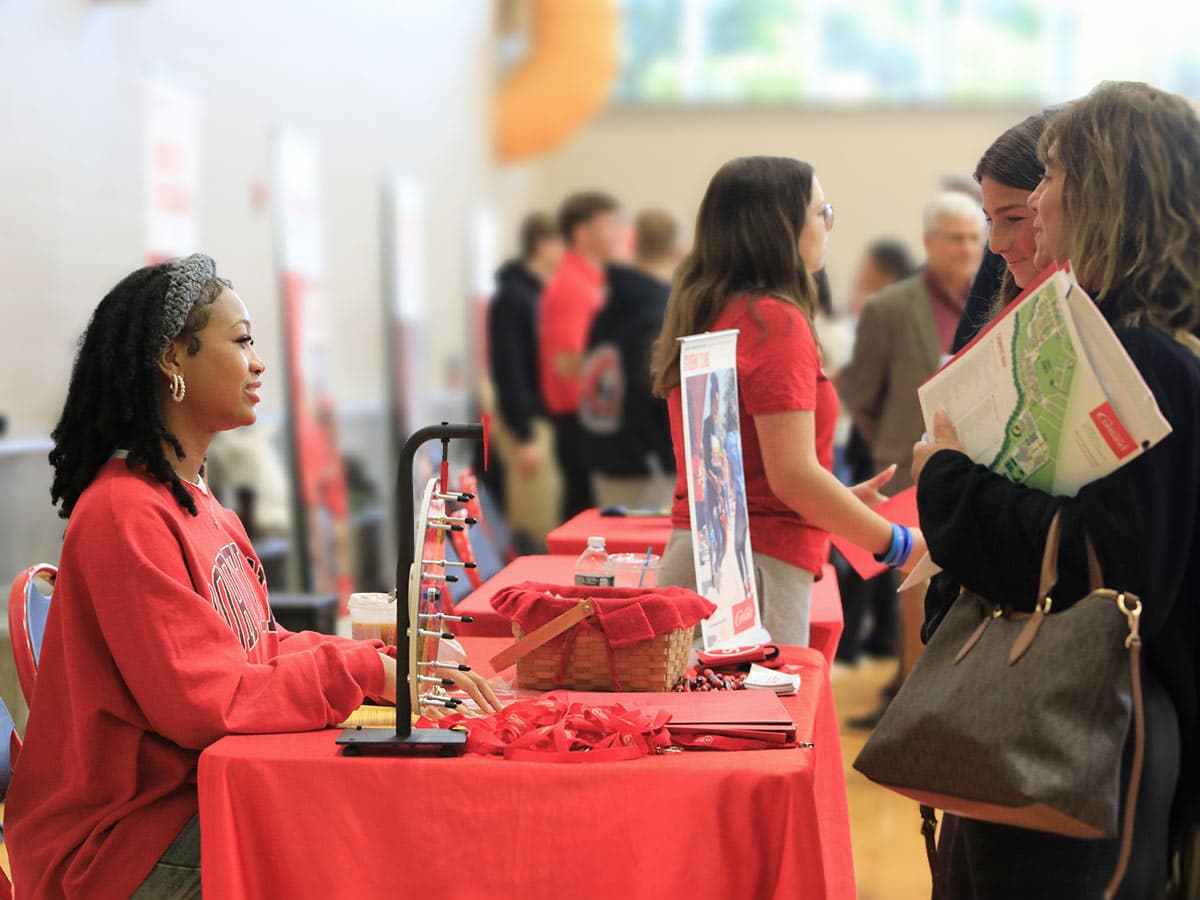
(905, 332)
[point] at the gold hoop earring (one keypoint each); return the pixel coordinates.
(178, 388)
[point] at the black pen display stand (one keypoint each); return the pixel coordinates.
(421, 623)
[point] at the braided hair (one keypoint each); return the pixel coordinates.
(113, 399)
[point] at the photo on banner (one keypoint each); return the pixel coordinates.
(717, 490)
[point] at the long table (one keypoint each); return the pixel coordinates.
(825, 614)
(286, 815)
(622, 534)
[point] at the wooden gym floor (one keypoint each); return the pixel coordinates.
(885, 828)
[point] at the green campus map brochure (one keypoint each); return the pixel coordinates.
(1046, 395)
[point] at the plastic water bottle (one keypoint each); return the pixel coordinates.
(592, 568)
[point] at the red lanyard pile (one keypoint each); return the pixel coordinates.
(552, 730)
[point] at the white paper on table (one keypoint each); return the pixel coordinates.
(764, 679)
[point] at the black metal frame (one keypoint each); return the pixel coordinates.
(405, 739)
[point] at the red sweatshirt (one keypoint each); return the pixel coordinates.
(570, 301)
(159, 642)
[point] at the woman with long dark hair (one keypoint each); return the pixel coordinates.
(160, 639)
(760, 234)
(1007, 172)
(1120, 200)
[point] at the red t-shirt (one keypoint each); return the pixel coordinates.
(778, 370)
(570, 301)
(158, 643)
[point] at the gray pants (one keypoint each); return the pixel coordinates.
(637, 492)
(784, 590)
(176, 876)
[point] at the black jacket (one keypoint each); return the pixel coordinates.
(979, 302)
(989, 533)
(627, 427)
(513, 348)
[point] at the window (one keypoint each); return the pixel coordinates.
(901, 51)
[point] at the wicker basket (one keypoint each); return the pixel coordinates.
(647, 666)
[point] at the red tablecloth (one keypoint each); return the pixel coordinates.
(825, 615)
(549, 569)
(622, 534)
(825, 621)
(287, 816)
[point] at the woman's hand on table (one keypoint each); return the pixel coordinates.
(472, 684)
(475, 686)
(945, 437)
(868, 491)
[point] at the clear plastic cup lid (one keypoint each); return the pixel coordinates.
(370, 601)
(635, 560)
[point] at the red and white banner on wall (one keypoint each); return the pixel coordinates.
(320, 509)
(171, 138)
(483, 256)
(712, 442)
(407, 306)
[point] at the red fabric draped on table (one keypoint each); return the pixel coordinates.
(287, 816)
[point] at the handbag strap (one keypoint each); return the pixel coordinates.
(1134, 643)
(1049, 576)
(539, 636)
(929, 832)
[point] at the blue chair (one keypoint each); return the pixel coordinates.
(10, 744)
(28, 609)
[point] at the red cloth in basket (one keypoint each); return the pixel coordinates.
(623, 615)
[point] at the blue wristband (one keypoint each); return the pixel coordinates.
(900, 550)
(906, 550)
(889, 556)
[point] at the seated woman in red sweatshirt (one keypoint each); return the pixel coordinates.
(160, 638)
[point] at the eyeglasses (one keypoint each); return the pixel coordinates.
(827, 215)
(960, 237)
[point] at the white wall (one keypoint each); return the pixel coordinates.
(877, 167)
(375, 83)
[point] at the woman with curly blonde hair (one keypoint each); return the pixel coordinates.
(1120, 199)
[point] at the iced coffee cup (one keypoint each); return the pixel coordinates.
(373, 617)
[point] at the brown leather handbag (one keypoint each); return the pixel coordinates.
(1022, 718)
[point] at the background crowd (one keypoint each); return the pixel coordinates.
(928, 128)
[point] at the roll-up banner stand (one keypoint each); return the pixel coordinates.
(717, 489)
(320, 520)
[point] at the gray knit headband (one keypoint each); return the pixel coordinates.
(186, 279)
